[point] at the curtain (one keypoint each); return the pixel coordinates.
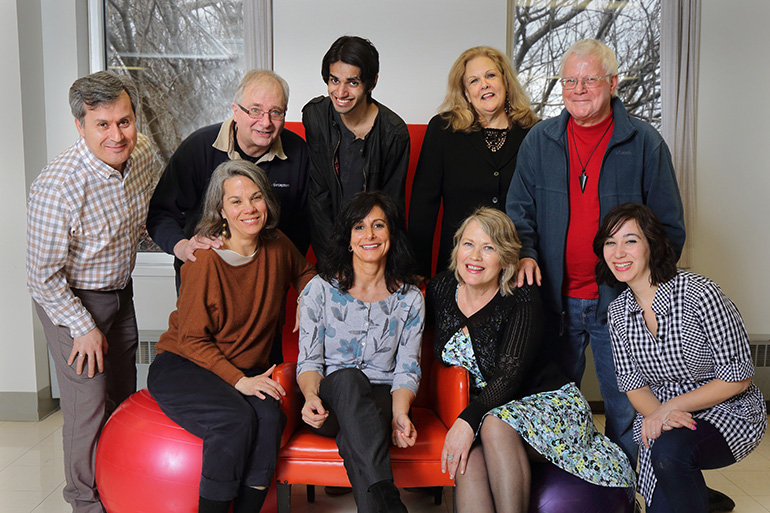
(679, 62)
(258, 34)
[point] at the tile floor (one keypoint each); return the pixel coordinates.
(32, 476)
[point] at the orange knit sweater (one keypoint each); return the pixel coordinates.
(226, 316)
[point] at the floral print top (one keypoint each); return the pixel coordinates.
(382, 338)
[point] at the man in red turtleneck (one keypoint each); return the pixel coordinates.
(571, 170)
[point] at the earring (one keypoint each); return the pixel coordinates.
(350, 249)
(225, 232)
(508, 106)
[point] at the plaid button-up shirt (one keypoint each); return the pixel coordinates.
(84, 220)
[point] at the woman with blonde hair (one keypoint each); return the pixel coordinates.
(469, 153)
(521, 405)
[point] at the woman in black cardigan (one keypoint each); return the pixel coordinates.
(521, 404)
(469, 152)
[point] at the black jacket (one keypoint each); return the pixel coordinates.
(386, 159)
(177, 203)
(458, 170)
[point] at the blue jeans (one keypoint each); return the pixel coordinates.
(582, 324)
(678, 457)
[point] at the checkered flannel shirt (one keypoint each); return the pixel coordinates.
(84, 220)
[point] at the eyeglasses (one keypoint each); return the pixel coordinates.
(257, 113)
(588, 82)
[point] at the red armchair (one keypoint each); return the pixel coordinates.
(307, 458)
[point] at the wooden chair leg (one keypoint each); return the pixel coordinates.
(283, 493)
(311, 493)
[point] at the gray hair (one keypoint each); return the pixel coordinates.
(97, 89)
(260, 77)
(211, 221)
(594, 48)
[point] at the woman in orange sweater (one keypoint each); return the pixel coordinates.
(211, 375)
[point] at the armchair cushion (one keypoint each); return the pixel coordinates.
(308, 458)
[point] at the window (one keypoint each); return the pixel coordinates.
(185, 58)
(544, 29)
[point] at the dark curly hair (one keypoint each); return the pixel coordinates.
(662, 262)
(339, 262)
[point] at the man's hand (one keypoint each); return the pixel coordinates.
(313, 412)
(92, 347)
(184, 249)
(261, 385)
(528, 269)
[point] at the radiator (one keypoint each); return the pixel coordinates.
(760, 355)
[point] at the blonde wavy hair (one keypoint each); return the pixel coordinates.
(501, 230)
(458, 111)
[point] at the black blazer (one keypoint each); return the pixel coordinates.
(458, 169)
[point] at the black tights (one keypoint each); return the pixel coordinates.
(497, 478)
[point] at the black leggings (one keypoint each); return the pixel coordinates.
(678, 458)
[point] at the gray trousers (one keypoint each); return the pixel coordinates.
(86, 403)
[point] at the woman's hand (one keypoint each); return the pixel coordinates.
(457, 444)
(296, 315)
(404, 432)
(261, 385)
(313, 412)
(664, 418)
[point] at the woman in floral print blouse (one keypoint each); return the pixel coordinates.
(361, 323)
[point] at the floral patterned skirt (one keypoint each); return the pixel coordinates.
(558, 424)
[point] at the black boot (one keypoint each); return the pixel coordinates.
(249, 500)
(719, 502)
(386, 498)
(208, 506)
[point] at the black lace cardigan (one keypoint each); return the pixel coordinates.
(507, 338)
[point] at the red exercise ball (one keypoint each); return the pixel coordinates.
(145, 462)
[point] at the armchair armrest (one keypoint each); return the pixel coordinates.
(450, 391)
(286, 374)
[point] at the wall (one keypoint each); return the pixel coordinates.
(417, 43)
(40, 62)
(733, 175)
(18, 372)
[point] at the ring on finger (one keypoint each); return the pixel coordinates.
(450, 457)
(665, 422)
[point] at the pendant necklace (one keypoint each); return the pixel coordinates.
(583, 178)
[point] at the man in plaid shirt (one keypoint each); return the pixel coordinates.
(85, 214)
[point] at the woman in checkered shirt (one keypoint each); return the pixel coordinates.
(682, 356)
